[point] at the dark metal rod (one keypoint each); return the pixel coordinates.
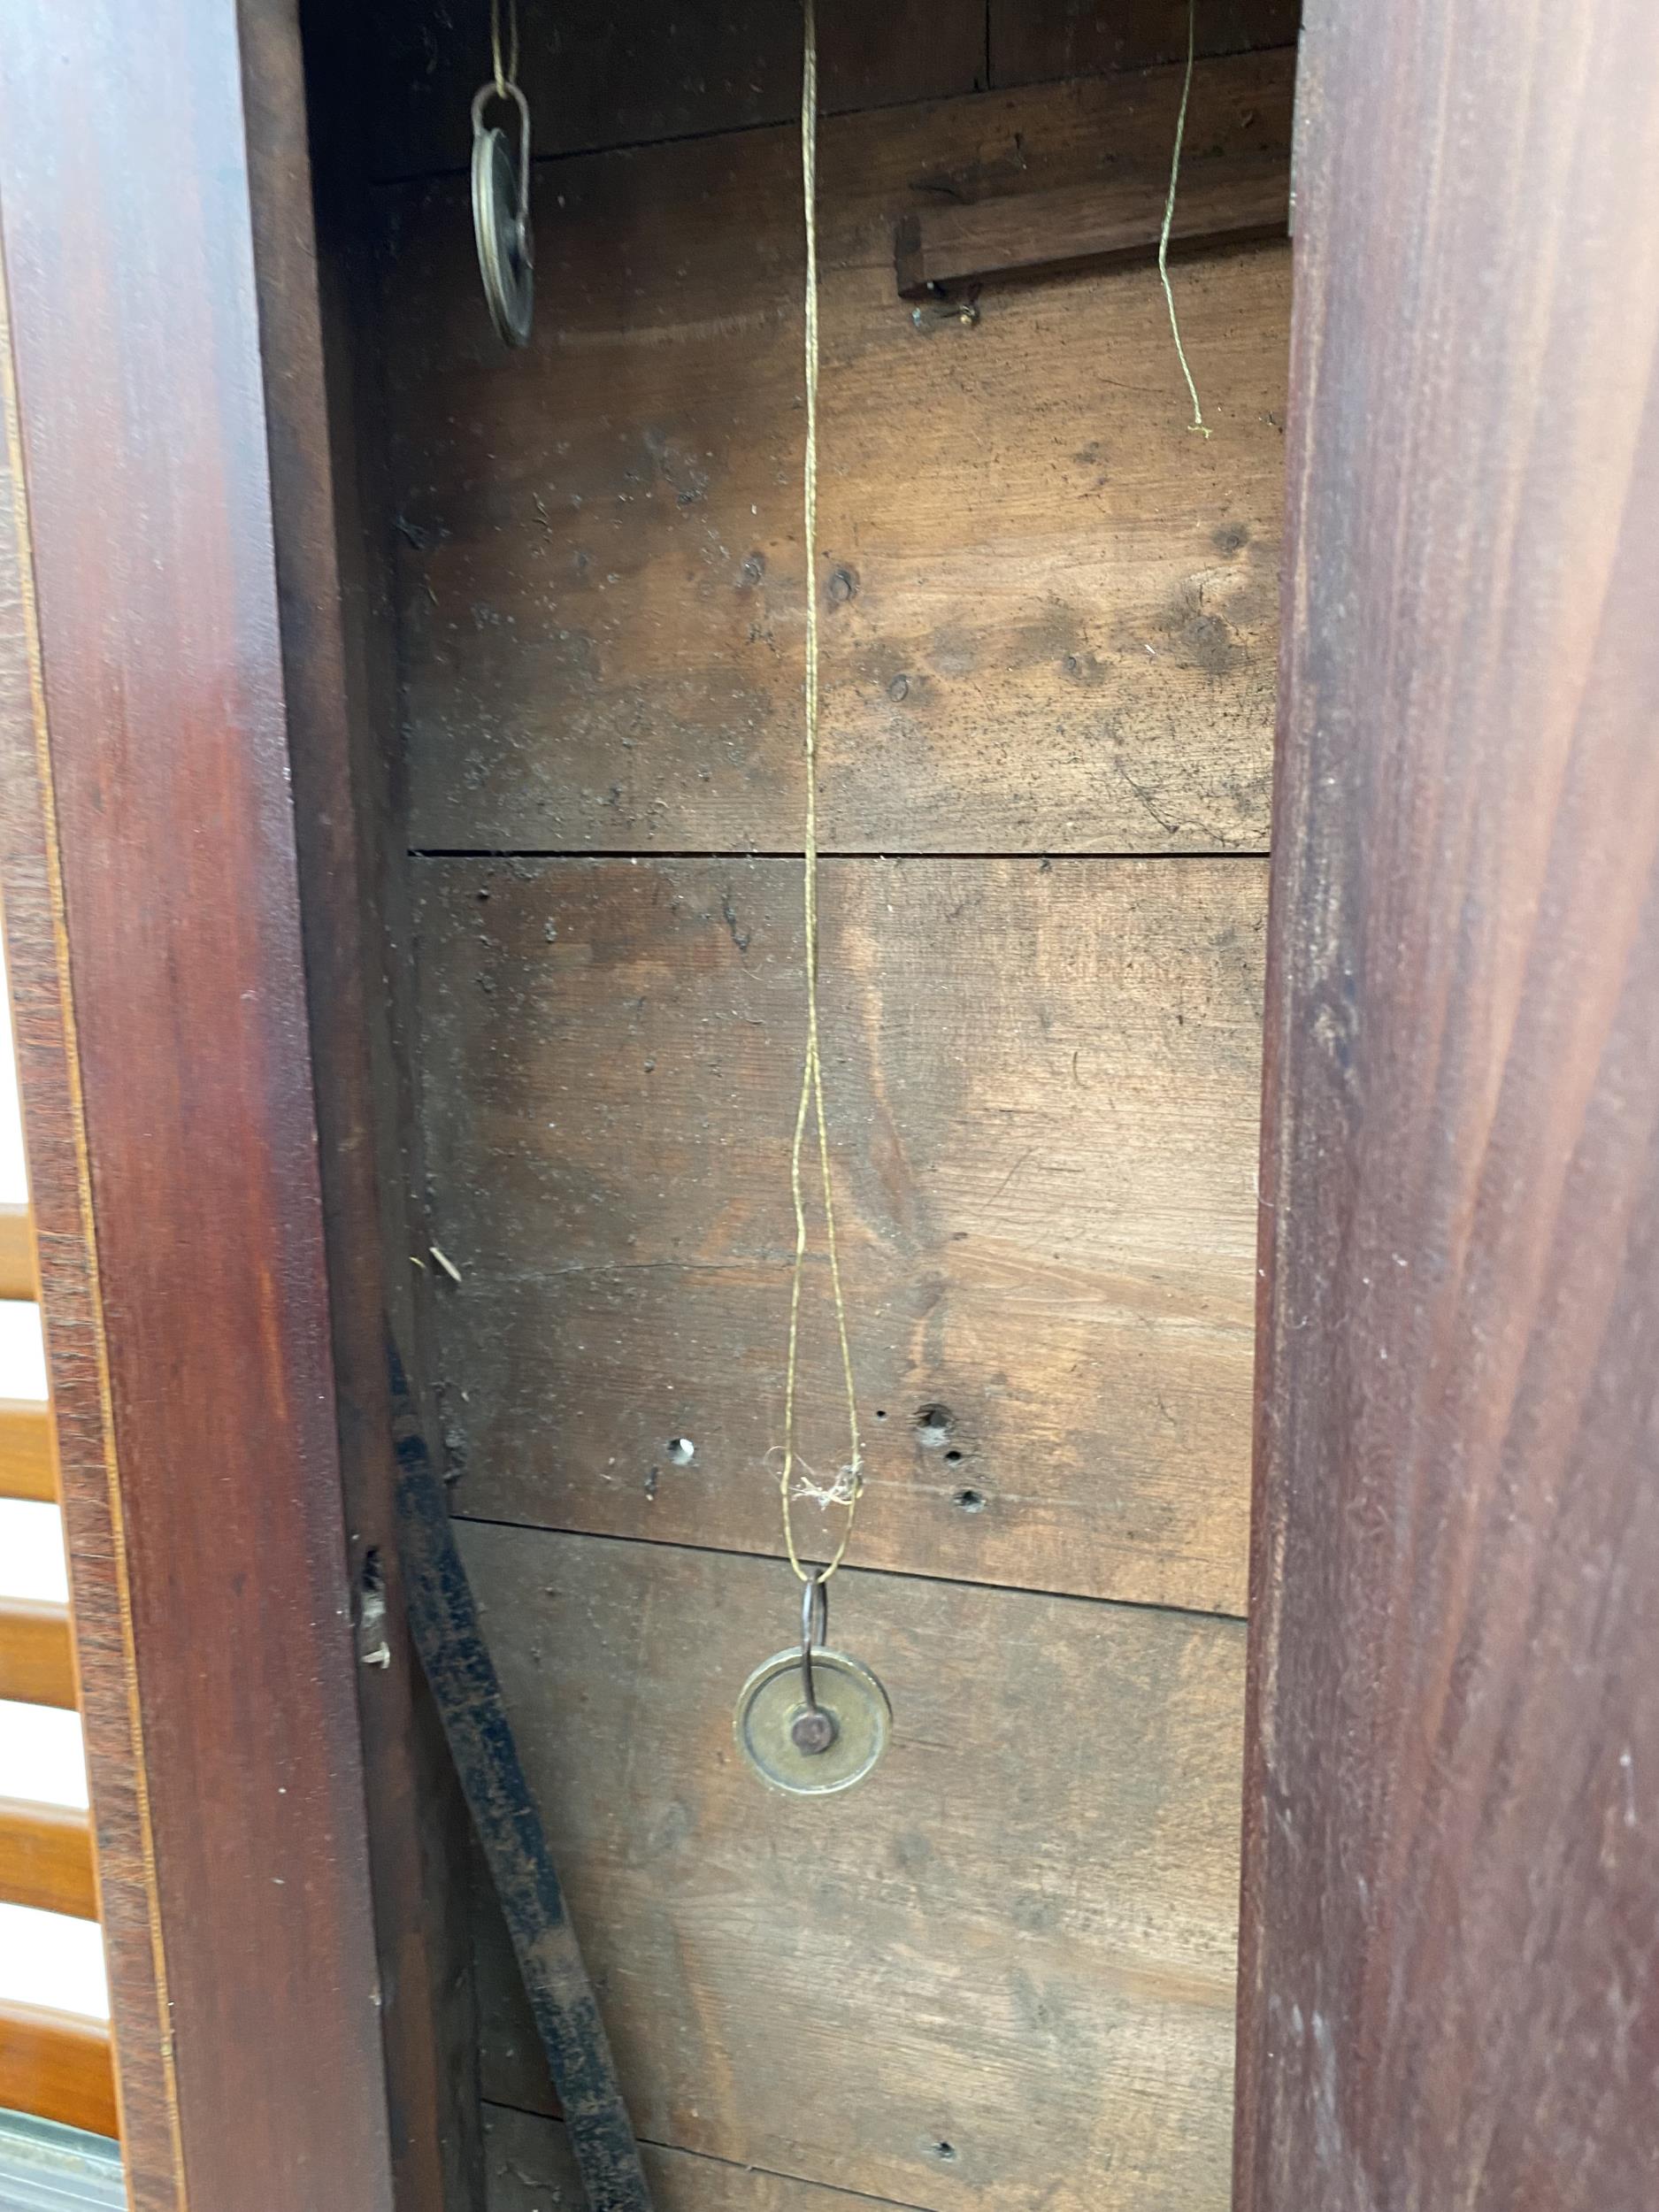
(443, 1619)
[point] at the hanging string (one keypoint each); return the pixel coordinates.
(795, 1477)
(510, 75)
(1197, 422)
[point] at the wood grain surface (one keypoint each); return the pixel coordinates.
(137, 2066)
(177, 1141)
(46, 1858)
(37, 1658)
(1000, 1971)
(57, 2065)
(1038, 584)
(1045, 1080)
(18, 1278)
(530, 2169)
(27, 1463)
(1451, 1979)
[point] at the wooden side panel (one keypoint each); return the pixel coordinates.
(1030, 39)
(137, 2065)
(597, 76)
(1451, 1992)
(1045, 1078)
(999, 1973)
(176, 1142)
(1038, 584)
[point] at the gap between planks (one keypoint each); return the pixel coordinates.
(853, 1566)
(755, 852)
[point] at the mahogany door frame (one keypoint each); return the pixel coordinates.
(191, 917)
(1449, 1991)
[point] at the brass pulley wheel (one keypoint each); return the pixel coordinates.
(500, 216)
(772, 1708)
(811, 1721)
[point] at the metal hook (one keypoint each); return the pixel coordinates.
(814, 1730)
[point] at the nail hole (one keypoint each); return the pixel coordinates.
(946, 2151)
(882, 1413)
(932, 1426)
(682, 1450)
(971, 1500)
(951, 1457)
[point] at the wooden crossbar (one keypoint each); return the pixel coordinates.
(17, 1252)
(37, 1665)
(56, 2066)
(46, 1858)
(27, 1468)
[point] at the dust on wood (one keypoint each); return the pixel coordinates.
(1046, 1080)
(1000, 1973)
(1037, 586)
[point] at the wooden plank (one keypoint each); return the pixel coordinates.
(46, 1858)
(530, 2169)
(56, 2066)
(1049, 610)
(1037, 233)
(1451, 1990)
(17, 1252)
(597, 77)
(37, 1660)
(27, 1464)
(1045, 1084)
(1035, 39)
(1001, 1971)
(175, 1123)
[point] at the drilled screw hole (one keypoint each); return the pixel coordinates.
(932, 1426)
(971, 1500)
(951, 1458)
(682, 1450)
(945, 2150)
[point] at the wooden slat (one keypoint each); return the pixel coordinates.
(1451, 1965)
(27, 1464)
(1050, 612)
(17, 1252)
(1223, 201)
(37, 1665)
(46, 1858)
(56, 2066)
(1014, 1941)
(1045, 1081)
